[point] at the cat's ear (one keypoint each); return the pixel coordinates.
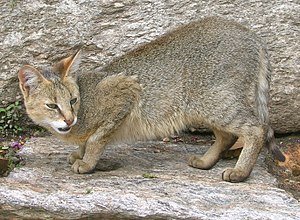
(29, 79)
(68, 67)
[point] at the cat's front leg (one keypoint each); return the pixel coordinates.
(93, 151)
(73, 156)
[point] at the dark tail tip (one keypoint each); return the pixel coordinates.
(278, 155)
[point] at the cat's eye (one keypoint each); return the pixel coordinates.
(73, 101)
(52, 106)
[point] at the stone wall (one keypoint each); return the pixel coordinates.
(40, 32)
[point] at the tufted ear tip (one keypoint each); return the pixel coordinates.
(69, 66)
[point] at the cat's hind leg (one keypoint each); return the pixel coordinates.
(223, 142)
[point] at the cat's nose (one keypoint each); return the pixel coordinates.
(68, 122)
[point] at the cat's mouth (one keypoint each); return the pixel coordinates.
(61, 127)
(64, 130)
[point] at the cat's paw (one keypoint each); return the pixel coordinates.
(200, 163)
(234, 175)
(80, 166)
(73, 157)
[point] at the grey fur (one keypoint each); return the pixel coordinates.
(213, 71)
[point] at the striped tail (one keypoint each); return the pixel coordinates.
(262, 99)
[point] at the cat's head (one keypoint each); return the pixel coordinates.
(52, 98)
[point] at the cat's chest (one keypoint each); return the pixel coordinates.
(75, 136)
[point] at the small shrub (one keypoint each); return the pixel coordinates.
(9, 157)
(10, 119)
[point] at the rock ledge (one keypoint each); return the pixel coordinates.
(46, 188)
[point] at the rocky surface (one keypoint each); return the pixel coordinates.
(148, 180)
(41, 32)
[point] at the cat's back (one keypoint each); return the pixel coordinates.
(191, 57)
(183, 45)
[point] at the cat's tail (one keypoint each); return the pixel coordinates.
(262, 100)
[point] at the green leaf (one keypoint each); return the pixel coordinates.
(9, 107)
(149, 176)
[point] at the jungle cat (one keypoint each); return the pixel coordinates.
(212, 71)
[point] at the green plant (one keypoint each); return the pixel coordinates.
(12, 4)
(149, 176)
(88, 191)
(9, 119)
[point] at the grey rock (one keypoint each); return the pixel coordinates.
(46, 188)
(41, 32)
